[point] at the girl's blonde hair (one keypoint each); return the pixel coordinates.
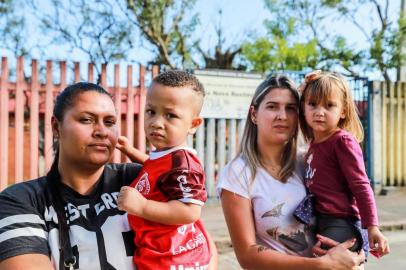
(318, 90)
(249, 143)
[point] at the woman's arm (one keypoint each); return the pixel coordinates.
(27, 262)
(240, 221)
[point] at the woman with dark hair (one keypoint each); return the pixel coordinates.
(69, 218)
(262, 186)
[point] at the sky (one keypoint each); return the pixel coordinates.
(240, 18)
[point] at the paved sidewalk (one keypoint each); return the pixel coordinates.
(391, 210)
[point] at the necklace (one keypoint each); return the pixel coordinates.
(273, 168)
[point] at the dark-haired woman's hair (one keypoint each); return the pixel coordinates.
(67, 97)
(249, 142)
(65, 100)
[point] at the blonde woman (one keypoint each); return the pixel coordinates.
(262, 186)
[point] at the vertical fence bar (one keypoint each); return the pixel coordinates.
(155, 71)
(141, 142)
(200, 142)
(210, 157)
(384, 105)
(232, 139)
(48, 114)
(103, 76)
(117, 103)
(76, 72)
(240, 130)
(130, 108)
(370, 136)
(34, 120)
(404, 131)
(19, 122)
(398, 134)
(62, 72)
(221, 144)
(391, 135)
(190, 141)
(4, 123)
(90, 73)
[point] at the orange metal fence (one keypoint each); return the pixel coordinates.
(26, 106)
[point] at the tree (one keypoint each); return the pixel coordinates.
(321, 47)
(94, 28)
(13, 28)
(385, 40)
(167, 25)
(218, 57)
(280, 49)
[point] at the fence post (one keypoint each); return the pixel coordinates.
(4, 123)
(130, 108)
(375, 142)
(34, 120)
(19, 122)
(49, 105)
(210, 157)
(141, 141)
(117, 104)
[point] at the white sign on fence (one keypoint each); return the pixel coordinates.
(228, 93)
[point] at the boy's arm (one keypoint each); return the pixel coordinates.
(172, 212)
(133, 153)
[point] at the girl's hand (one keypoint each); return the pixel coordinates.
(131, 201)
(377, 242)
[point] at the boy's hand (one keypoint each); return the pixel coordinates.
(377, 242)
(131, 201)
(133, 153)
(123, 145)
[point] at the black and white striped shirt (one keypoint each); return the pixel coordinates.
(100, 235)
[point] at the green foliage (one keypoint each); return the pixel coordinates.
(280, 49)
(167, 25)
(266, 55)
(320, 47)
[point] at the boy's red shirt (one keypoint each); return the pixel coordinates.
(170, 175)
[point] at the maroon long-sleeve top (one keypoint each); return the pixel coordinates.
(335, 174)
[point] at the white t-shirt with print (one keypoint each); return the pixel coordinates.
(273, 203)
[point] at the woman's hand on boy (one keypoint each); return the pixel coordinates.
(338, 254)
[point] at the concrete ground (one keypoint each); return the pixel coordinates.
(392, 217)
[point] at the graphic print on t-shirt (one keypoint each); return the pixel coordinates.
(143, 185)
(309, 170)
(294, 240)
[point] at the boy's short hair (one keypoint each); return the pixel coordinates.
(180, 78)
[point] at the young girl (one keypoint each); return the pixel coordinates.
(335, 172)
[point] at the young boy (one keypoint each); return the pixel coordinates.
(164, 202)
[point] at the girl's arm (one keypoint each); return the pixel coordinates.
(351, 160)
(240, 221)
(133, 153)
(27, 262)
(172, 212)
